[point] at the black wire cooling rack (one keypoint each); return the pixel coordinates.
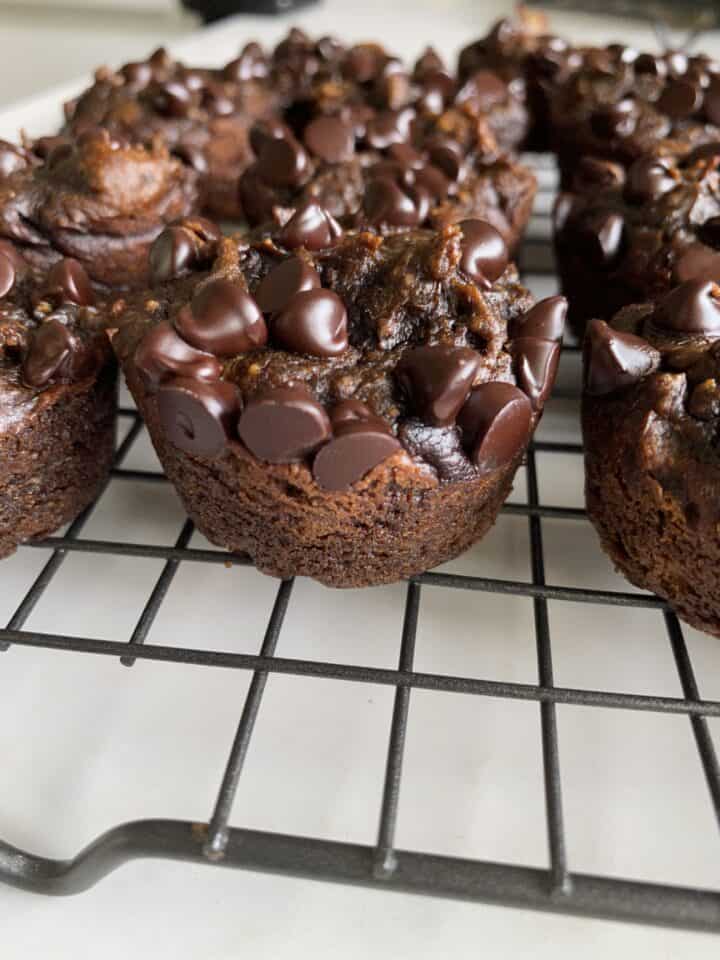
(383, 865)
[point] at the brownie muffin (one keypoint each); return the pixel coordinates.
(57, 397)
(347, 406)
(98, 200)
(651, 422)
(624, 237)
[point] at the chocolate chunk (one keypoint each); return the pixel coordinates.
(615, 119)
(712, 101)
(198, 417)
(648, 179)
(447, 156)
(535, 363)
(283, 424)
(50, 354)
(693, 307)
(680, 99)
(330, 139)
(283, 162)
(438, 379)
(496, 423)
(388, 127)
(162, 353)
(350, 410)
(484, 252)
(312, 227)
(544, 321)
(279, 286)
(222, 319)
(355, 449)
(7, 275)
(698, 262)
(313, 322)
(613, 360)
(385, 202)
(591, 172)
(171, 255)
(67, 281)
(601, 235)
(172, 99)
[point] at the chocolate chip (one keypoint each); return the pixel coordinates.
(437, 379)
(67, 281)
(160, 59)
(428, 62)
(266, 130)
(216, 100)
(350, 410)
(11, 159)
(544, 321)
(484, 252)
(614, 119)
(137, 74)
(251, 64)
(698, 262)
(312, 227)
(363, 62)
(648, 179)
(283, 162)
(496, 423)
(385, 202)
(535, 363)
(171, 255)
(222, 319)
(693, 307)
(601, 236)
(280, 285)
(172, 99)
(49, 354)
(162, 353)
(647, 63)
(314, 322)
(434, 181)
(613, 360)
(393, 89)
(198, 417)
(406, 156)
(484, 90)
(192, 156)
(447, 156)
(7, 275)
(680, 99)
(712, 101)
(592, 172)
(388, 127)
(330, 139)
(355, 449)
(283, 424)
(193, 79)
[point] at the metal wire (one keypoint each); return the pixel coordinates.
(557, 889)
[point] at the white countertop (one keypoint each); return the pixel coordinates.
(86, 744)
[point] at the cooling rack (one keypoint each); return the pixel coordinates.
(383, 865)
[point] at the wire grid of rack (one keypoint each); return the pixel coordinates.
(382, 865)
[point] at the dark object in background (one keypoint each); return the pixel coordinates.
(212, 10)
(692, 15)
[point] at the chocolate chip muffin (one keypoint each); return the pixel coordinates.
(651, 415)
(347, 406)
(98, 200)
(624, 237)
(57, 397)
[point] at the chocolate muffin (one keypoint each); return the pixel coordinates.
(347, 406)
(57, 397)
(97, 200)
(624, 237)
(651, 422)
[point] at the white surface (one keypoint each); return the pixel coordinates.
(86, 744)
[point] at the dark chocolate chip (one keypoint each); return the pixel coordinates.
(447, 156)
(429, 61)
(712, 101)
(698, 262)
(313, 322)
(601, 236)
(280, 285)
(7, 275)
(363, 62)
(283, 424)
(160, 59)
(266, 130)
(222, 319)
(49, 354)
(162, 353)
(614, 119)
(484, 252)
(406, 156)
(535, 363)
(283, 162)
(693, 307)
(251, 64)
(592, 173)
(172, 254)
(496, 422)
(330, 139)
(172, 99)
(544, 321)
(438, 379)
(312, 227)
(350, 410)
(647, 63)
(138, 74)
(613, 360)
(355, 449)
(434, 181)
(67, 281)
(484, 89)
(198, 417)
(388, 127)
(648, 179)
(680, 98)
(385, 202)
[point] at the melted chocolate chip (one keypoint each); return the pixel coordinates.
(162, 353)
(350, 410)
(281, 284)
(266, 130)
(496, 423)
(171, 255)
(7, 275)
(434, 181)
(198, 417)
(385, 202)
(283, 424)
(447, 156)
(693, 307)
(438, 379)
(615, 119)
(484, 252)
(405, 155)
(355, 449)
(313, 322)
(544, 321)
(680, 99)
(601, 235)
(698, 262)
(535, 363)
(67, 281)
(222, 319)
(50, 354)
(648, 179)
(330, 139)
(613, 360)
(283, 162)
(312, 227)
(388, 127)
